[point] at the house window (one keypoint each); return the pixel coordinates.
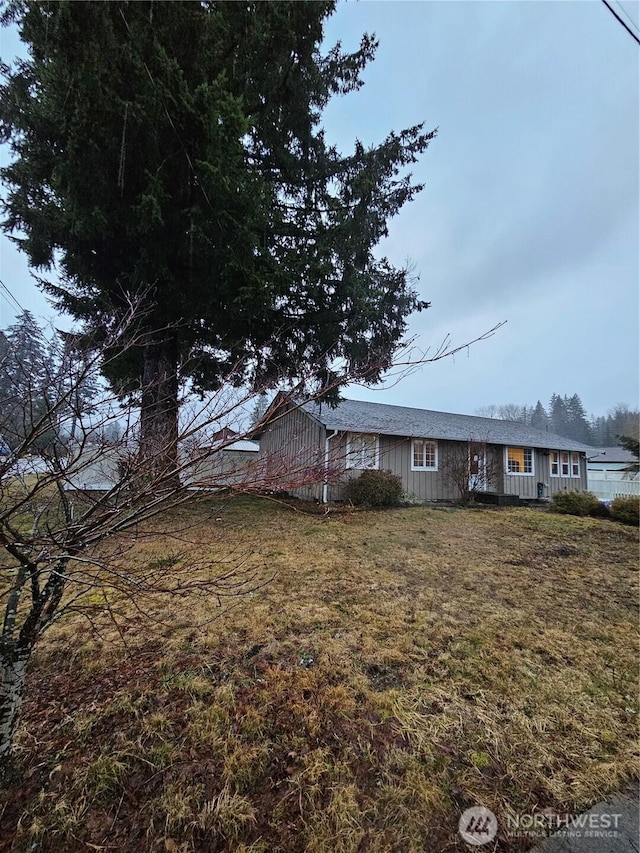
(519, 460)
(424, 455)
(575, 464)
(362, 451)
(564, 464)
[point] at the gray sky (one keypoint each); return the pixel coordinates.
(530, 212)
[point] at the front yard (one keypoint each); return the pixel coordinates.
(398, 668)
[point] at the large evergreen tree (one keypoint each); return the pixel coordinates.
(176, 150)
(539, 417)
(558, 417)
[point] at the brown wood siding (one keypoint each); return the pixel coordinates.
(292, 454)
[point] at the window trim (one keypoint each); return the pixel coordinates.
(424, 441)
(359, 467)
(519, 473)
(573, 463)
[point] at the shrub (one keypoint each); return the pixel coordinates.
(410, 499)
(574, 503)
(600, 511)
(626, 510)
(375, 488)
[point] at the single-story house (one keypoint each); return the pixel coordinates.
(318, 447)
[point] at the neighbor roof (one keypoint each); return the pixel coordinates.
(381, 418)
(611, 454)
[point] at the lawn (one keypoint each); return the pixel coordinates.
(393, 669)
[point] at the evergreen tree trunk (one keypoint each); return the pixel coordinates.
(159, 408)
(13, 665)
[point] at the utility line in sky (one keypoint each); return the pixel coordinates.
(618, 18)
(627, 15)
(10, 295)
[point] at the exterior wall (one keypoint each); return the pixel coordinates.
(396, 455)
(95, 469)
(611, 471)
(292, 455)
(526, 485)
(222, 468)
(445, 483)
(292, 452)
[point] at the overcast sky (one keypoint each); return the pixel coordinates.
(530, 212)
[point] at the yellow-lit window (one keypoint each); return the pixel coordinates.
(555, 463)
(519, 460)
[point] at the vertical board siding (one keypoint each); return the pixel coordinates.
(395, 456)
(222, 468)
(526, 485)
(293, 449)
(339, 473)
(292, 454)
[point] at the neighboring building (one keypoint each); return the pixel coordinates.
(92, 468)
(608, 476)
(223, 463)
(235, 462)
(435, 453)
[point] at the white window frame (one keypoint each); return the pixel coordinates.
(520, 473)
(424, 442)
(574, 463)
(357, 464)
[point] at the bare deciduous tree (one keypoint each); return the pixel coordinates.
(471, 468)
(66, 516)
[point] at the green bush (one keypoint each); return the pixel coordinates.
(575, 503)
(375, 488)
(601, 511)
(626, 510)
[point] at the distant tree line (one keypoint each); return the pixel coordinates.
(35, 370)
(567, 416)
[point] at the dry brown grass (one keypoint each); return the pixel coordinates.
(400, 667)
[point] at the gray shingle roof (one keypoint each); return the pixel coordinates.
(611, 454)
(381, 418)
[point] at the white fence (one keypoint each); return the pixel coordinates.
(607, 490)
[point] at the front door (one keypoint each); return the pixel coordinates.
(477, 467)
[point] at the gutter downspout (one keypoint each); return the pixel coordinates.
(325, 485)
